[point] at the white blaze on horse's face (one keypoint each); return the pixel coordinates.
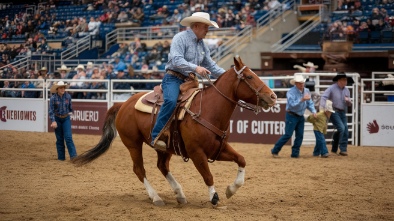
(266, 95)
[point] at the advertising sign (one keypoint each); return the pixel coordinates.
(22, 115)
(266, 127)
(377, 125)
(87, 118)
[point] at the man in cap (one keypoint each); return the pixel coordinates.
(298, 100)
(188, 54)
(340, 97)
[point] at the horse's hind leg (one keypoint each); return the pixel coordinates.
(163, 162)
(139, 170)
(229, 154)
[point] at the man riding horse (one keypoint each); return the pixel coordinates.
(188, 54)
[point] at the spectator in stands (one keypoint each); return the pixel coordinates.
(42, 74)
(175, 18)
(121, 86)
(17, 84)
(274, 4)
(153, 57)
(60, 109)
(4, 91)
(382, 25)
(63, 71)
(93, 26)
(29, 94)
(94, 85)
(340, 97)
(119, 64)
(137, 17)
(375, 16)
(122, 17)
(122, 50)
(135, 76)
(147, 75)
(185, 10)
(44, 47)
(89, 69)
(298, 100)
(371, 27)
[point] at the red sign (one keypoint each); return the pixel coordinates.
(266, 127)
(87, 118)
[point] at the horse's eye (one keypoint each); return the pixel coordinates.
(249, 77)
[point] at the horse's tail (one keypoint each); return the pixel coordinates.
(109, 134)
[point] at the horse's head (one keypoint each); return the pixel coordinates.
(251, 88)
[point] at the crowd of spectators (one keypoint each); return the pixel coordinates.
(359, 19)
(110, 71)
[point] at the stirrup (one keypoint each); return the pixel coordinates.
(159, 145)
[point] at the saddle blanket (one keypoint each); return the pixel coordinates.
(149, 108)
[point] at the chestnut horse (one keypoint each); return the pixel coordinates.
(202, 131)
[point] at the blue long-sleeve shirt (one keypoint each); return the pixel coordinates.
(294, 103)
(336, 95)
(187, 52)
(59, 105)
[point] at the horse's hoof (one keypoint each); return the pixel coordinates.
(215, 199)
(181, 200)
(159, 203)
(229, 193)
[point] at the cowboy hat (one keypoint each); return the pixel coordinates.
(329, 106)
(43, 69)
(343, 75)
(64, 68)
(55, 86)
(80, 66)
(297, 78)
(310, 64)
(89, 64)
(202, 17)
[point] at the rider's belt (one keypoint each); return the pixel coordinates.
(294, 114)
(61, 116)
(337, 109)
(176, 74)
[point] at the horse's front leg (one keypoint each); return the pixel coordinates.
(229, 154)
(200, 161)
(163, 163)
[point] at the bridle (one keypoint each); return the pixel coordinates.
(256, 109)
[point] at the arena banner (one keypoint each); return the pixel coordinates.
(377, 125)
(22, 115)
(265, 128)
(87, 118)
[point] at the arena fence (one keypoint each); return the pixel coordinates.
(31, 114)
(377, 108)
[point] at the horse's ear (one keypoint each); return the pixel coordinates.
(240, 61)
(236, 62)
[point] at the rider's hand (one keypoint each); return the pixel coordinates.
(202, 71)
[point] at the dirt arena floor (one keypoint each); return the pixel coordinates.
(36, 186)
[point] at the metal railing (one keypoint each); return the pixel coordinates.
(81, 45)
(231, 45)
(275, 13)
(143, 33)
(297, 33)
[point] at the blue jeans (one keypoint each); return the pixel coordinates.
(340, 137)
(293, 123)
(170, 86)
(320, 147)
(63, 133)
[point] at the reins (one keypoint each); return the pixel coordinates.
(256, 109)
(214, 129)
